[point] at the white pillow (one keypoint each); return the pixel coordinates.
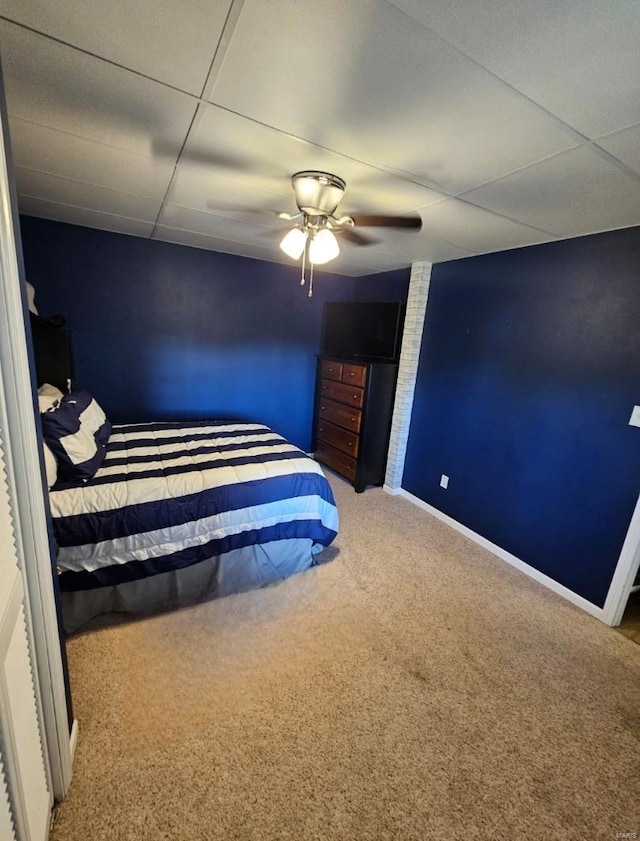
(51, 466)
(48, 397)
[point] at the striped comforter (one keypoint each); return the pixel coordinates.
(169, 495)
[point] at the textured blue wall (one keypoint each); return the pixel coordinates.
(166, 331)
(529, 369)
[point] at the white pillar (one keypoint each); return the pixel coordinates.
(407, 371)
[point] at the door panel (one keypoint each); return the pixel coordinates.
(21, 751)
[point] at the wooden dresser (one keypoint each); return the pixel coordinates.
(354, 405)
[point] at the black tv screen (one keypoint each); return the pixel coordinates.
(363, 330)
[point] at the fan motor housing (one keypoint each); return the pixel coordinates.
(317, 193)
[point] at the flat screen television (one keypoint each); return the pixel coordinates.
(368, 330)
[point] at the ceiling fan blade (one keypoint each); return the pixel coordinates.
(355, 236)
(413, 223)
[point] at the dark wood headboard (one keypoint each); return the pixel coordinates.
(52, 351)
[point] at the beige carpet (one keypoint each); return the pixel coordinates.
(415, 687)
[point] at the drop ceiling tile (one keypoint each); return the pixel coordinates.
(66, 191)
(57, 153)
(579, 59)
(213, 225)
(413, 248)
(625, 146)
(229, 146)
(572, 194)
(196, 186)
(172, 41)
(82, 216)
(212, 243)
(61, 88)
(350, 271)
(367, 258)
(477, 229)
(382, 90)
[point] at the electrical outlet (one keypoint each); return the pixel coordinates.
(444, 481)
(635, 417)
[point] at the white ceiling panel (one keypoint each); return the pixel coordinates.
(210, 224)
(477, 229)
(58, 87)
(195, 186)
(365, 80)
(571, 194)
(625, 146)
(81, 216)
(262, 158)
(426, 244)
(173, 41)
(198, 240)
(413, 246)
(53, 188)
(579, 59)
(367, 258)
(58, 153)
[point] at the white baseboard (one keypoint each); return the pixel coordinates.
(391, 491)
(501, 553)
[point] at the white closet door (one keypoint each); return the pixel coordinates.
(25, 799)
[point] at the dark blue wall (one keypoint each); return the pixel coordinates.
(386, 286)
(166, 331)
(529, 370)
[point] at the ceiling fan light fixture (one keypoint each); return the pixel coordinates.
(294, 242)
(317, 193)
(323, 247)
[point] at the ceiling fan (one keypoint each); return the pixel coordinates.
(313, 237)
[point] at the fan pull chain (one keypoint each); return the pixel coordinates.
(304, 261)
(311, 281)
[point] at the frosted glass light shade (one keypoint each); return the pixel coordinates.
(323, 247)
(293, 243)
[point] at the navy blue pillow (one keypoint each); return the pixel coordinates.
(77, 432)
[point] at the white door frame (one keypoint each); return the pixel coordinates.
(625, 573)
(24, 464)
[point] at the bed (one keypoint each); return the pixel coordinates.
(155, 516)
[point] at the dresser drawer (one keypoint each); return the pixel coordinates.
(331, 370)
(342, 393)
(340, 462)
(341, 415)
(354, 374)
(338, 437)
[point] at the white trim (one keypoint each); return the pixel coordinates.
(625, 572)
(391, 491)
(27, 489)
(567, 594)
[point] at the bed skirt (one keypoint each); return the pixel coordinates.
(234, 572)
